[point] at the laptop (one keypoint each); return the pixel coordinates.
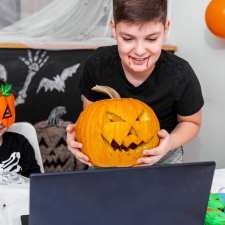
(159, 195)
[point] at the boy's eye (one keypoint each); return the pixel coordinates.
(151, 39)
(127, 38)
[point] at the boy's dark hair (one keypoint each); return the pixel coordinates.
(140, 10)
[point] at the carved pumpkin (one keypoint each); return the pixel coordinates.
(7, 108)
(114, 132)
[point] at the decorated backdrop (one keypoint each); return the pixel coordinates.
(47, 95)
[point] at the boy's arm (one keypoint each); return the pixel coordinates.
(28, 160)
(187, 128)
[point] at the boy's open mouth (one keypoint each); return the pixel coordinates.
(139, 61)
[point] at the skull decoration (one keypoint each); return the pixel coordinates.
(114, 132)
(7, 108)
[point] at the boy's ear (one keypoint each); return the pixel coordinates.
(113, 28)
(167, 26)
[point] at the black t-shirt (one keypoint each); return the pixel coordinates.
(171, 89)
(17, 155)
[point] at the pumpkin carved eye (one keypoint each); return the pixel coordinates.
(111, 117)
(143, 116)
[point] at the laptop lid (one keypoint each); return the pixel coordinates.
(159, 195)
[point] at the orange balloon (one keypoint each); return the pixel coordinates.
(215, 17)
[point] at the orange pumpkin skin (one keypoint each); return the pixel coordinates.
(7, 110)
(114, 132)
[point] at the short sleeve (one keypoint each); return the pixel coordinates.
(28, 161)
(189, 98)
(90, 76)
(87, 79)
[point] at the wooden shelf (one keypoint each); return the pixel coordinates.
(171, 48)
(65, 45)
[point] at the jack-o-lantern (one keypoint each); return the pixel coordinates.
(52, 140)
(7, 108)
(114, 132)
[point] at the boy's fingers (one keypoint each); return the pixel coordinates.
(151, 152)
(85, 162)
(148, 160)
(70, 128)
(75, 144)
(162, 133)
(79, 155)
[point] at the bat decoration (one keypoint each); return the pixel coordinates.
(58, 82)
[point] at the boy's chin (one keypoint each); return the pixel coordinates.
(140, 69)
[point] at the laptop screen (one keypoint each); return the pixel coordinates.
(159, 195)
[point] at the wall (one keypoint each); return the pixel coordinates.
(30, 6)
(9, 12)
(206, 54)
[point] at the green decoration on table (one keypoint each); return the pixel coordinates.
(215, 202)
(215, 212)
(215, 217)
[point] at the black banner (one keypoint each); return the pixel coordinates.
(47, 95)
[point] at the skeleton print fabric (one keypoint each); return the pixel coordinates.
(11, 164)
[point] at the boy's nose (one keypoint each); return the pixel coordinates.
(139, 49)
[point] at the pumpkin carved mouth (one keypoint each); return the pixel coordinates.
(132, 146)
(122, 147)
(116, 146)
(55, 163)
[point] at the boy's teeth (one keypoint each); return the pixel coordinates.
(138, 61)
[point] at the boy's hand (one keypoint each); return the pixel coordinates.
(153, 155)
(75, 146)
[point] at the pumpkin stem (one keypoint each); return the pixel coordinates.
(6, 89)
(106, 90)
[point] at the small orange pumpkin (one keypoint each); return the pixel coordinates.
(114, 132)
(7, 108)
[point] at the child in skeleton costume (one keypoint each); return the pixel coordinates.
(16, 153)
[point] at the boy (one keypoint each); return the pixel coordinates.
(16, 153)
(138, 67)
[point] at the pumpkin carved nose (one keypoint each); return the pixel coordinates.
(7, 113)
(132, 132)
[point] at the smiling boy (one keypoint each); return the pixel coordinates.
(137, 67)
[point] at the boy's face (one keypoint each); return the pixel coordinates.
(2, 129)
(139, 45)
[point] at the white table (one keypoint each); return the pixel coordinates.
(218, 185)
(14, 198)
